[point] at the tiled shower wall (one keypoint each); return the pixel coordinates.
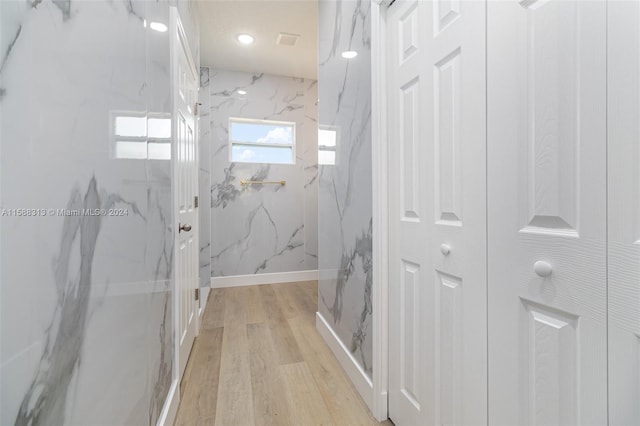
(344, 190)
(261, 228)
(85, 300)
(204, 179)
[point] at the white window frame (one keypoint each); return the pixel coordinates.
(146, 139)
(328, 148)
(115, 138)
(157, 140)
(291, 124)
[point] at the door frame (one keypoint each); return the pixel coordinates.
(170, 409)
(380, 206)
(176, 25)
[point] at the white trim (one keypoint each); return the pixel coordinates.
(257, 279)
(349, 364)
(170, 408)
(175, 25)
(176, 376)
(380, 202)
(204, 296)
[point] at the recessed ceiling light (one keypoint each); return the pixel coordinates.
(242, 92)
(245, 38)
(158, 26)
(349, 54)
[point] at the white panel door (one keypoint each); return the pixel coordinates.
(410, 210)
(547, 212)
(185, 173)
(623, 53)
(437, 282)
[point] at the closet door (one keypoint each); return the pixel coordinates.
(547, 212)
(410, 194)
(437, 282)
(624, 211)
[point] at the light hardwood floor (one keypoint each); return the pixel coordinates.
(260, 361)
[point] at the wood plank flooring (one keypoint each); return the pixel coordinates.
(260, 361)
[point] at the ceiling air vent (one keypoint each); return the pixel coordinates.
(286, 39)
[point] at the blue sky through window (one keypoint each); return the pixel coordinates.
(261, 154)
(247, 138)
(261, 133)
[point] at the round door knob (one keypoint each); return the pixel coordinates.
(184, 227)
(542, 268)
(445, 249)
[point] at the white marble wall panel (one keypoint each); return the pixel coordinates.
(85, 301)
(204, 179)
(262, 228)
(344, 190)
(310, 163)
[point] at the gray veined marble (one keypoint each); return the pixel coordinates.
(162, 380)
(10, 47)
(344, 189)
(262, 228)
(255, 78)
(313, 175)
(45, 400)
(225, 192)
(93, 327)
(162, 264)
(63, 5)
(295, 241)
(243, 245)
(204, 78)
(204, 178)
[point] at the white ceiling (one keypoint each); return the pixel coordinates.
(222, 20)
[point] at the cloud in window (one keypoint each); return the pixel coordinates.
(279, 135)
(247, 155)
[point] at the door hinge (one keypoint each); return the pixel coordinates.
(196, 109)
(195, 201)
(197, 294)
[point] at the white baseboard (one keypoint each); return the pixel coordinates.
(170, 409)
(257, 279)
(204, 295)
(356, 374)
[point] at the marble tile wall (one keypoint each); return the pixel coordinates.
(204, 179)
(262, 228)
(344, 190)
(310, 164)
(85, 300)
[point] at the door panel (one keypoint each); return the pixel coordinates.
(547, 204)
(455, 70)
(551, 101)
(409, 348)
(409, 231)
(409, 120)
(623, 52)
(408, 228)
(437, 235)
(449, 347)
(448, 166)
(185, 189)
